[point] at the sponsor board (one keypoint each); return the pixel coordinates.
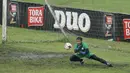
(126, 26)
(13, 12)
(108, 26)
(77, 21)
(35, 16)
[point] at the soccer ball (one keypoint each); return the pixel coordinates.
(67, 46)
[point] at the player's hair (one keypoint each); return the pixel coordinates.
(79, 38)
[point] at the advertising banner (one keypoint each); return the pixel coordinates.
(109, 23)
(81, 22)
(126, 25)
(35, 16)
(13, 13)
(78, 21)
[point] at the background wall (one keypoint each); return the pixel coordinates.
(97, 18)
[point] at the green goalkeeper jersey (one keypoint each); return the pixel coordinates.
(82, 50)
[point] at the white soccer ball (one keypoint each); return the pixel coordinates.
(67, 46)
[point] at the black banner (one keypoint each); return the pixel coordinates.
(88, 23)
(82, 22)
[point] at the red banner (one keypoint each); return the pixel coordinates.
(35, 16)
(126, 25)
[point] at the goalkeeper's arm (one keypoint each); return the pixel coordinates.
(76, 51)
(84, 51)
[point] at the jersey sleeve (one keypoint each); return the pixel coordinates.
(76, 50)
(75, 46)
(85, 45)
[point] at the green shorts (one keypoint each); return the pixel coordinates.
(84, 56)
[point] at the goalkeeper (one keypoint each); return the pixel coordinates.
(81, 50)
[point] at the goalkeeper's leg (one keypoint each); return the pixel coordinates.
(75, 58)
(94, 57)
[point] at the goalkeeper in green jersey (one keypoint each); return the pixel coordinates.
(81, 50)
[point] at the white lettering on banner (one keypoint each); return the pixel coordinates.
(128, 24)
(81, 22)
(35, 19)
(75, 24)
(60, 15)
(127, 32)
(35, 12)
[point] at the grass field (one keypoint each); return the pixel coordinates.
(12, 56)
(25, 52)
(119, 6)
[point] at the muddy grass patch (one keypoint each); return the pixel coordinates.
(28, 55)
